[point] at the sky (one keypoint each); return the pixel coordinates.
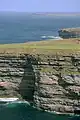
(40, 5)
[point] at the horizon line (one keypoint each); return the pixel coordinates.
(40, 12)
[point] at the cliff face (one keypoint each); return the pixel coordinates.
(16, 77)
(69, 33)
(51, 82)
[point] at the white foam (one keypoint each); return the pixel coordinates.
(51, 37)
(8, 99)
(43, 36)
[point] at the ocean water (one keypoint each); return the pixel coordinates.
(22, 111)
(23, 27)
(20, 28)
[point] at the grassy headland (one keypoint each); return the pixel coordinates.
(42, 47)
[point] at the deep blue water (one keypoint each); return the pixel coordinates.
(23, 27)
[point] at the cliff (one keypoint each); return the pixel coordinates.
(69, 33)
(48, 76)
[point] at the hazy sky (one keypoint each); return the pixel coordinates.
(40, 5)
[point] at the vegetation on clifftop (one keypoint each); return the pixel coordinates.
(52, 46)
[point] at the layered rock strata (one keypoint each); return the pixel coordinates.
(51, 82)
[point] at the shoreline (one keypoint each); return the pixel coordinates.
(8, 101)
(52, 112)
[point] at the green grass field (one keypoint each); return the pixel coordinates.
(68, 45)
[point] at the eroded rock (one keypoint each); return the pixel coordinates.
(50, 82)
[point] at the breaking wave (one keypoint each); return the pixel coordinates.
(51, 37)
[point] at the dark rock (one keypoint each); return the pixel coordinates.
(69, 33)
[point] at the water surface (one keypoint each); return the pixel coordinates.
(23, 27)
(23, 111)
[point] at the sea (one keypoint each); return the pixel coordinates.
(18, 27)
(23, 111)
(24, 27)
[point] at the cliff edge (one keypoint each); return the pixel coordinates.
(45, 73)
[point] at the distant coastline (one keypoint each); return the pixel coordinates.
(45, 13)
(57, 13)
